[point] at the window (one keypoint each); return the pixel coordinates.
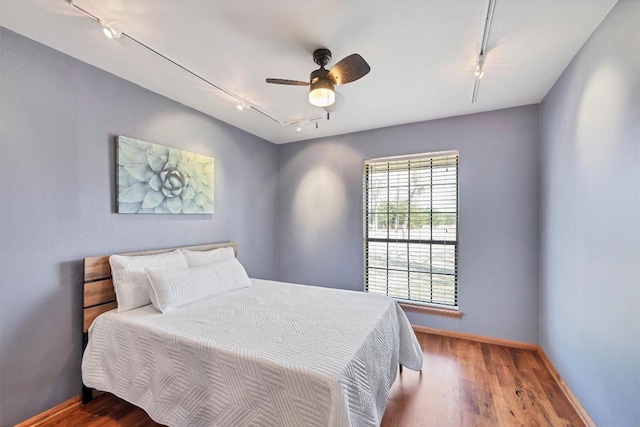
(411, 228)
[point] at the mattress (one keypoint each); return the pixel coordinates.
(272, 354)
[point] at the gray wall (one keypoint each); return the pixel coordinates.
(590, 221)
(320, 213)
(59, 119)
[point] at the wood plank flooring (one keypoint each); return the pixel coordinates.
(463, 383)
(468, 383)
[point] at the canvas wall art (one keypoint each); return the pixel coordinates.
(156, 179)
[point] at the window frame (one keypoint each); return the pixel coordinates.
(409, 304)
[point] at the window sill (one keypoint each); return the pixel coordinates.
(434, 311)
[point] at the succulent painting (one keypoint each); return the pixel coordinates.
(153, 178)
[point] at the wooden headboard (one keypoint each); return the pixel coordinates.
(99, 295)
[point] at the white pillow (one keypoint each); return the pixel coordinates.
(130, 280)
(195, 258)
(176, 287)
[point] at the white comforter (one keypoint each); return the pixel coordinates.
(273, 354)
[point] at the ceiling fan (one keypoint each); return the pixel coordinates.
(322, 81)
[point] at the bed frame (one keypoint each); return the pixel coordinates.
(100, 297)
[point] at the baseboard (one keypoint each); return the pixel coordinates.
(478, 338)
(43, 417)
(584, 415)
(573, 400)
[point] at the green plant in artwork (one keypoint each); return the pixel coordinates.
(153, 178)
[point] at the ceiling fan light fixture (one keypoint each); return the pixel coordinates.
(322, 93)
(109, 29)
(322, 82)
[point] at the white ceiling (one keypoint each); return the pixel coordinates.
(422, 53)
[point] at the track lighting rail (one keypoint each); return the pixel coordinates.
(113, 32)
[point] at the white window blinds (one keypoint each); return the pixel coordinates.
(411, 228)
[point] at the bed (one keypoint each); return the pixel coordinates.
(270, 354)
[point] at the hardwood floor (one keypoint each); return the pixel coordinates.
(468, 383)
(463, 383)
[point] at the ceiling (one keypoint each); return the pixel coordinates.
(422, 53)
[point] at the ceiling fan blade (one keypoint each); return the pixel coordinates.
(349, 69)
(337, 105)
(287, 82)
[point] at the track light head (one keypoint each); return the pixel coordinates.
(479, 67)
(110, 30)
